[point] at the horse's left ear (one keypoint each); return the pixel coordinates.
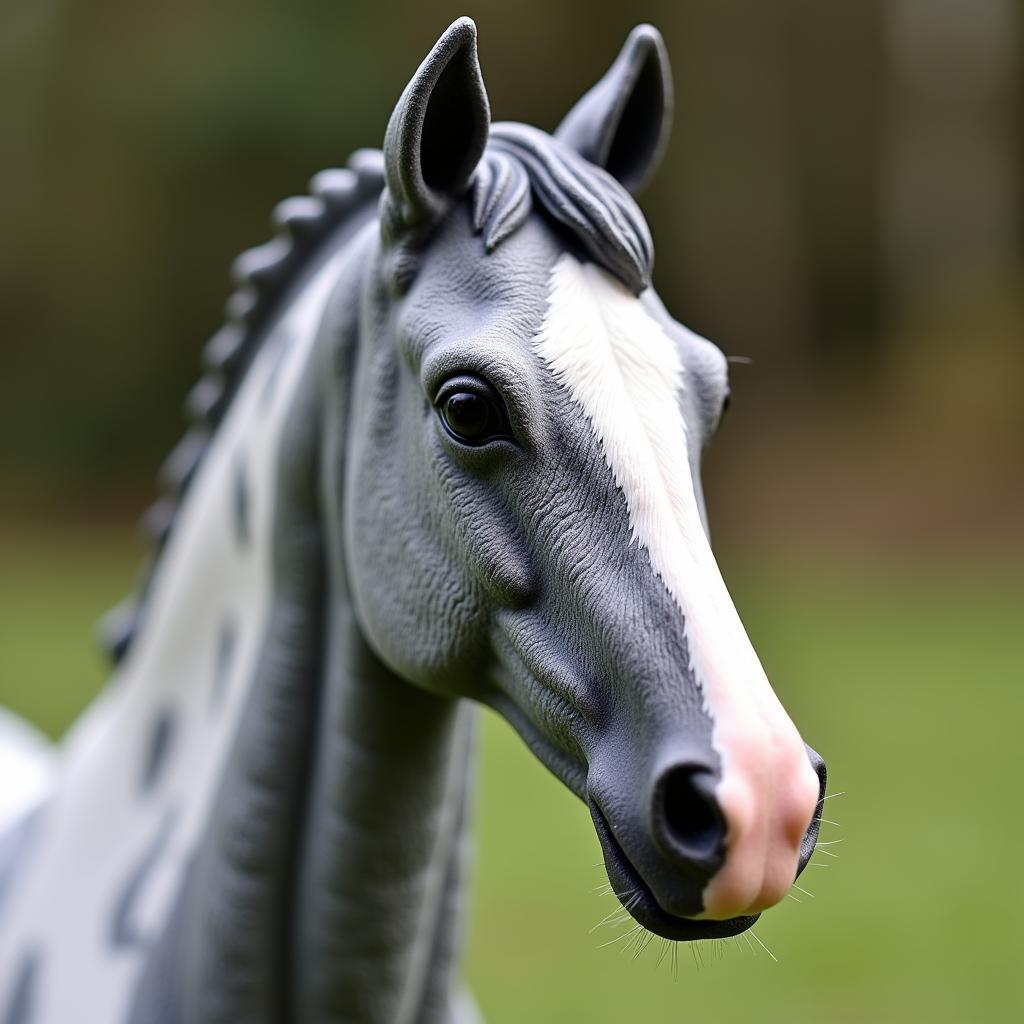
(622, 124)
(438, 130)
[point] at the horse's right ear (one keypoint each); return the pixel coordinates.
(437, 132)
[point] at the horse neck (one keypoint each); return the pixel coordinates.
(381, 879)
(213, 698)
(381, 882)
(330, 879)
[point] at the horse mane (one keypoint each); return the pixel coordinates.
(522, 163)
(262, 276)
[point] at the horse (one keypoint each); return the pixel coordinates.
(445, 452)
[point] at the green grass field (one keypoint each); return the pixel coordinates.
(909, 681)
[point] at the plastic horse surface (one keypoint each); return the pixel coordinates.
(446, 451)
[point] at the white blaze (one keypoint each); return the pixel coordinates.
(622, 369)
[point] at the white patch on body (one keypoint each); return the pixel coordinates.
(618, 364)
(26, 768)
(98, 824)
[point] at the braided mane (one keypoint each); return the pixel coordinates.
(262, 276)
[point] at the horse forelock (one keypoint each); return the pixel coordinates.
(523, 165)
(525, 170)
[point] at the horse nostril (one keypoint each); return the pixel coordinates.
(687, 817)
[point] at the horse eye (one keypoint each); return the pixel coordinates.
(471, 417)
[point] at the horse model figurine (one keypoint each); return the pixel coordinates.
(446, 451)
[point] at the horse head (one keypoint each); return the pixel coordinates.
(524, 521)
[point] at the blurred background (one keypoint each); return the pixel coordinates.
(842, 204)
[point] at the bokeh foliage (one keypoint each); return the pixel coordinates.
(841, 202)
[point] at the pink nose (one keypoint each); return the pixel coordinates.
(744, 853)
(771, 819)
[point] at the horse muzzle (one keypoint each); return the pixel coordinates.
(663, 863)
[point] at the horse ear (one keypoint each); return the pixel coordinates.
(622, 124)
(438, 130)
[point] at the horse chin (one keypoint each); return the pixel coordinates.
(637, 899)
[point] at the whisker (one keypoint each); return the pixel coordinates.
(763, 946)
(613, 912)
(742, 360)
(619, 915)
(827, 853)
(804, 891)
(642, 945)
(830, 796)
(829, 821)
(830, 842)
(621, 919)
(665, 943)
(605, 920)
(619, 938)
(622, 897)
(634, 943)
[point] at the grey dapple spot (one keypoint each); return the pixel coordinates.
(21, 1007)
(479, 472)
(227, 635)
(158, 748)
(125, 932)
(158, 996)
(241, 503)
